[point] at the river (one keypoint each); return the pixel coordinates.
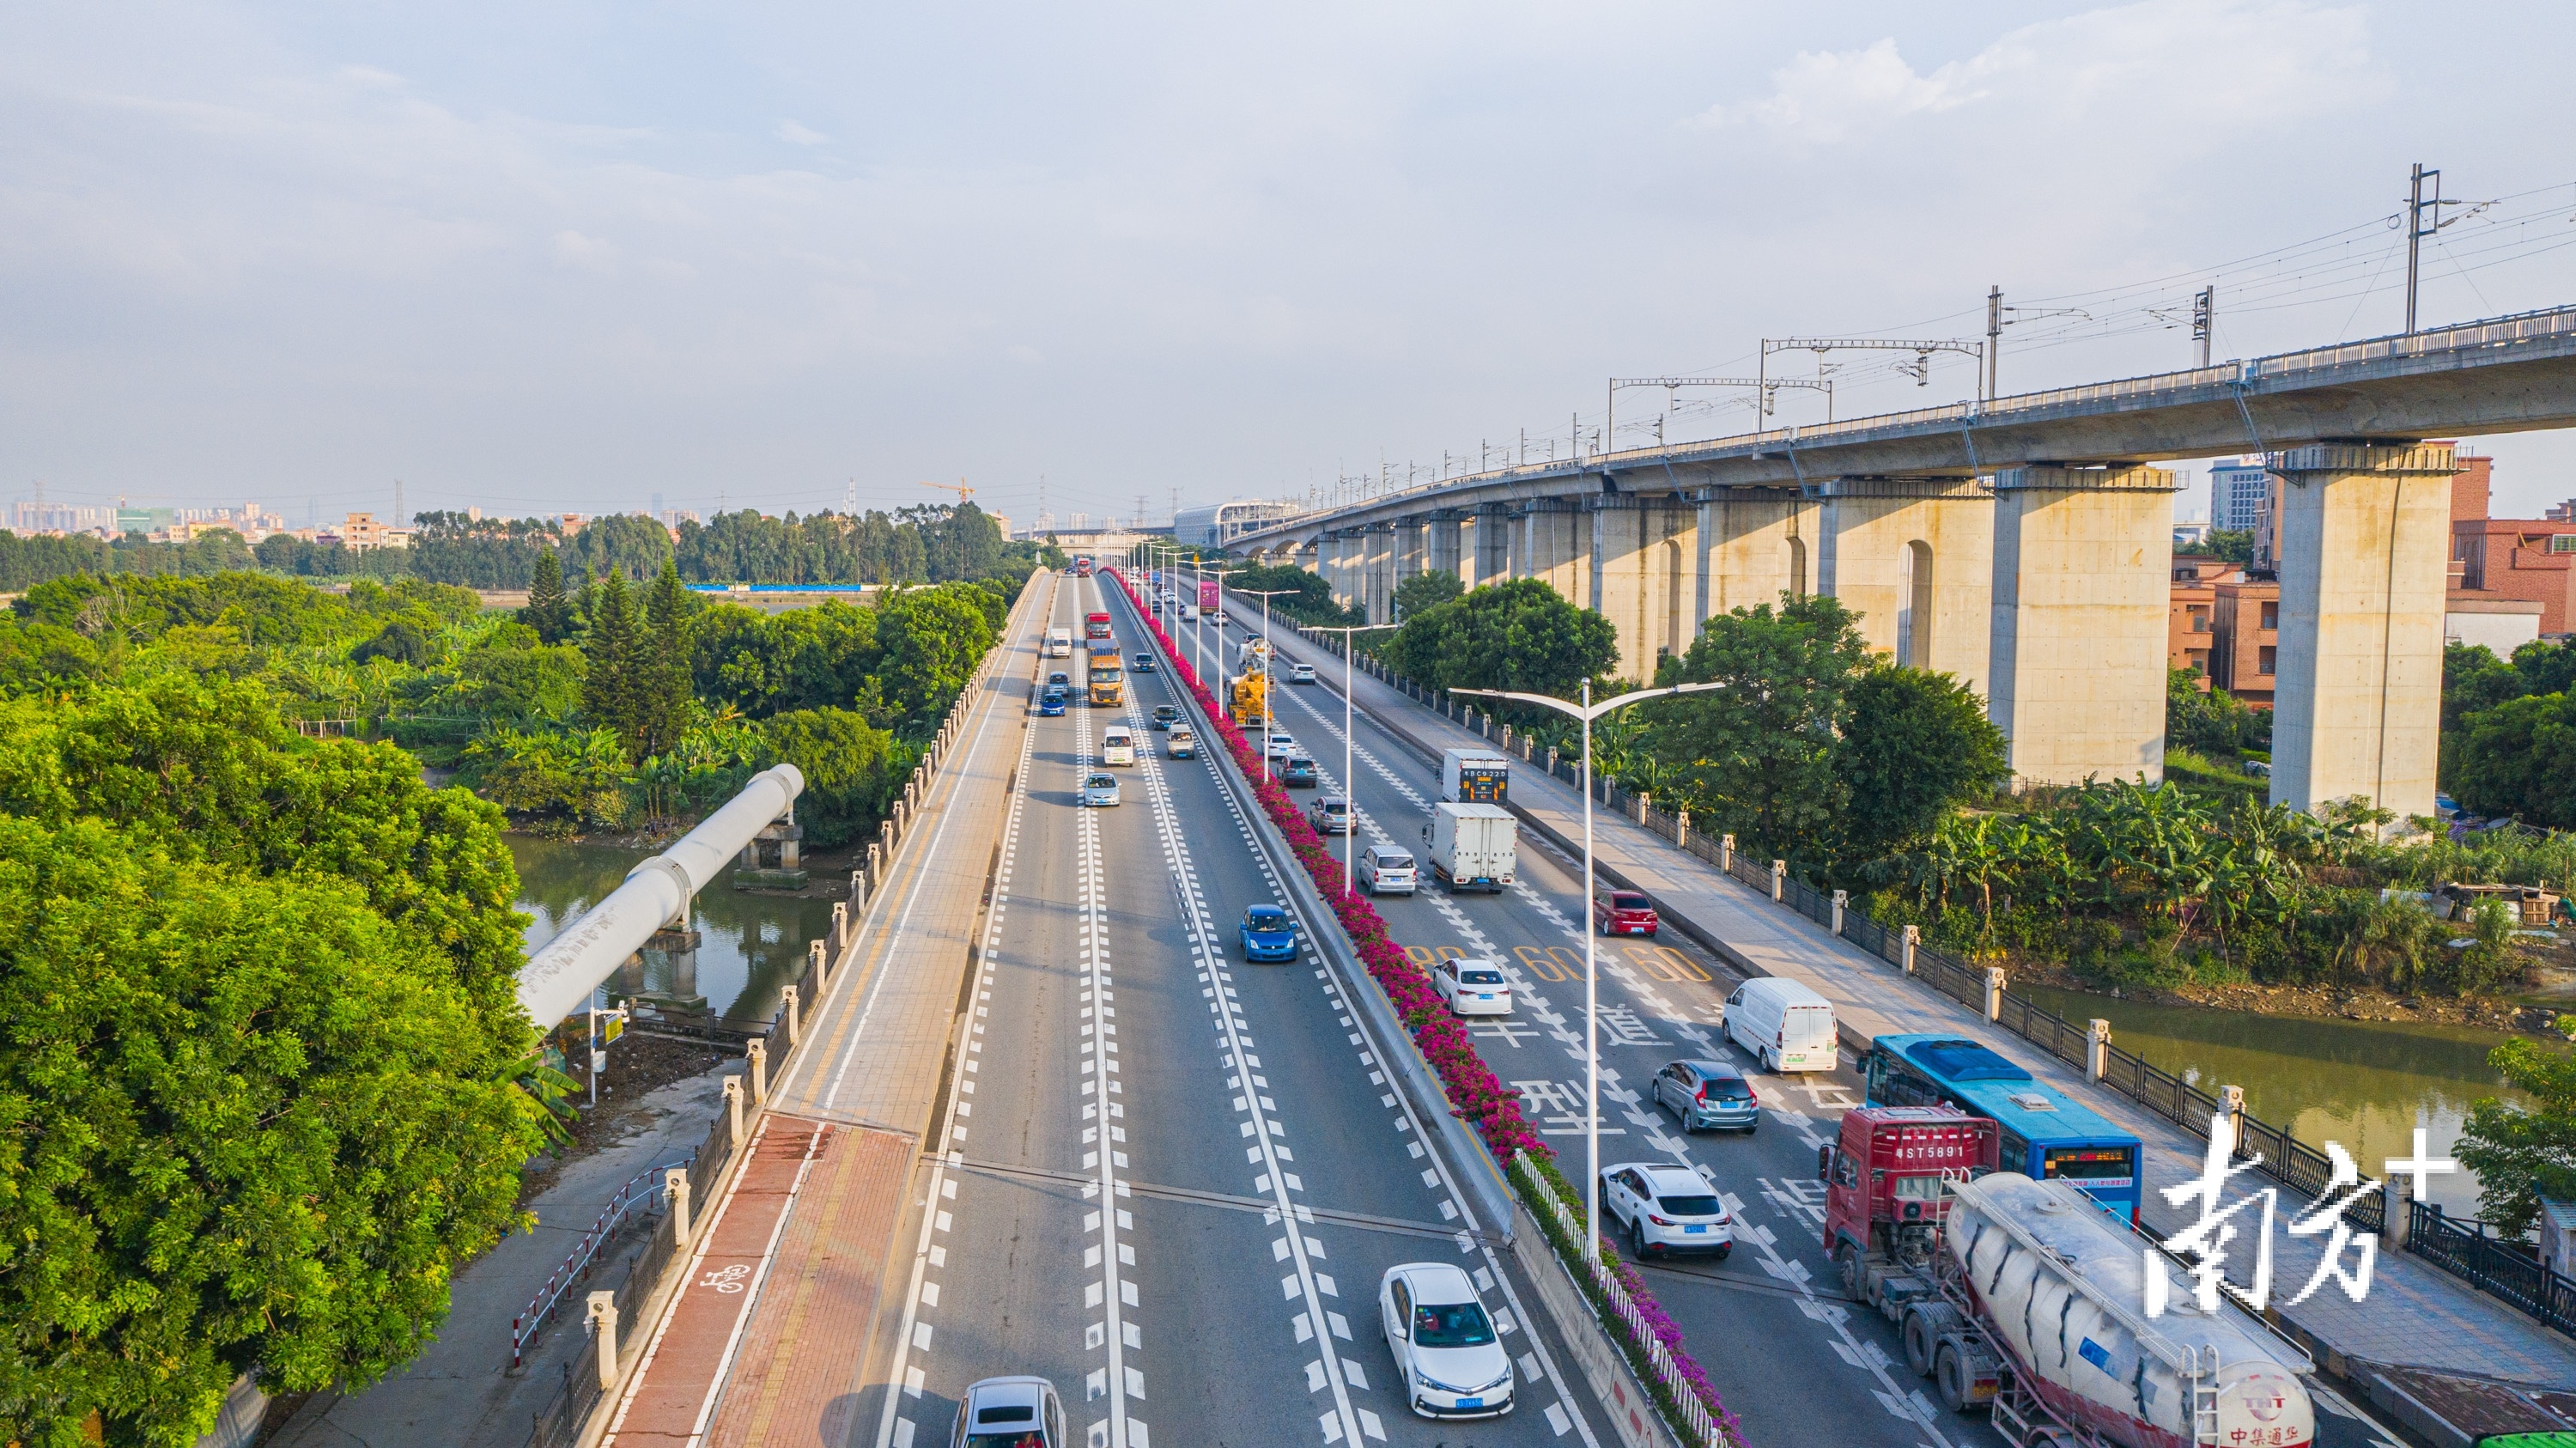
(751, 946)
(2365, 1084)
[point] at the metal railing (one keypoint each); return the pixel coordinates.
(1679, 1398)
(640, 1199)
(2461, 1246)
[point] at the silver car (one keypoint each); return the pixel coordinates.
(1100, 789)
(1020, 1412)
(1330, 815)
(1384, 870)
(1707, 1096)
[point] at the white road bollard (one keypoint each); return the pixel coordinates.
(1913, 938)
(1779, 878)
(1840, 898)
(2231, 1099)
(2097, 1049)
(1681, 830)
(1726, 853)
(675, 1188)
(757, 1053)
(603, 1321)
(733, 1105)
(1994, 992)
(787, 998)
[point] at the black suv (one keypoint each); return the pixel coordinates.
(1296, 770)
(1166, 715)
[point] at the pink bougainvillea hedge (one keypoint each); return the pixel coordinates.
(1476, 1095)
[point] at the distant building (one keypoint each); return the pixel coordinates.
(360, 532)
(2189, 630)
(1215, 527)
(2238, 491)
(2190, 537)
(2496, 560)
(2245, 639)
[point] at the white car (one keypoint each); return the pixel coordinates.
(1445, 1346)
(1666, 1208)
(1473, 987)
(1015, 1410)
(1385, 870)
(1301, 673)
(1282, 745)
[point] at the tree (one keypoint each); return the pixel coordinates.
(2213, 722)
(1759, 751)
(933, 638)
(1308, 600)
(250, 1124)
(2522, 1154)
(661, 683)
(1520, 635)
(1424, 591)
(848, 768)
(2545, 667)
(1915, 746)
(2232, 545)
(2519, 759)
(615, 650)
(549, 609)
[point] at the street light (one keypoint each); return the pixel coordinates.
(1587, 711)
(1199, 573)
(1266, 678)
(1350, 785)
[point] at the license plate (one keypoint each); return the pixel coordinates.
(1471, 1402)
(1484, 997)
(1694, 1229)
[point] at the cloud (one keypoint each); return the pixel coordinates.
(1025, 355)
(790, 131)
(1823, 97)
(589, 253)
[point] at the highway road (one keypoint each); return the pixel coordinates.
(1791, 1355)
(1166, 1180)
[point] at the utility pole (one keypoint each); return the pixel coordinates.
(1994, 335)
(2417, 203)
(2204, 319)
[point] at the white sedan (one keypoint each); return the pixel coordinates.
(1301, 673)
(1452, 1362)
(1666, 1208)
(1473, 987)
(1282, 745)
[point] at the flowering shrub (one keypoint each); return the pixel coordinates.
(1476, 1095)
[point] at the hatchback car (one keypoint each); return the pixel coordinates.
(1386, 871)
(1009, 1413)
(1623, 912)
(1301, 673)
(1051, 704)
(1100, 789)
(1473, 987)
(1166, 715)
(1059, 680)
(1297, 770)
(1445, 1347)
(1183, 744)
(1269, 933)
(1708, 1095)
(1666, 1208)
(1144, 663)
(1330, 814)
(1282, 745)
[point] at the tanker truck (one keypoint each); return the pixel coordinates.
(2036, 1313)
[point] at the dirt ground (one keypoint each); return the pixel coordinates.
(637, 1065)
(2487, 1012)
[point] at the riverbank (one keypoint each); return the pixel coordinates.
(2520, 1016)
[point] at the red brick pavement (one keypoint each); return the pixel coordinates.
(796, 1376)
(671, 1397)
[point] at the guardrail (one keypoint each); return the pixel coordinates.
(639, 1200)
(2461, 1246)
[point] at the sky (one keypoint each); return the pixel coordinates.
(574, 257)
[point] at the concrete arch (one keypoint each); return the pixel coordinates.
(1914, 610)
(1797, 566)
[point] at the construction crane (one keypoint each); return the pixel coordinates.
(964, 495)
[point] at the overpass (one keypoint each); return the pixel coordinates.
(2024, 543)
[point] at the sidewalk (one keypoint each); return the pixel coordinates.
(2416, 1315)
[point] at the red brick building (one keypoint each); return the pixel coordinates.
(2245, 639)
(2523, 559)
(2194, 610)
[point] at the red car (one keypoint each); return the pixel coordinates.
(1623, 912)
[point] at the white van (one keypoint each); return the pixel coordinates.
(1059, 643)
(1786, 1026)
(1117, 745)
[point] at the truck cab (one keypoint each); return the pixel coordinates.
(1883, 1194)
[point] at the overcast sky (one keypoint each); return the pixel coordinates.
(569, 257)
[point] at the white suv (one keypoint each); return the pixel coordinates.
(1452, 1362)
(1383, 870)
(1666, 1208)
(1473, 987)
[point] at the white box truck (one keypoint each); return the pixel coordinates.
(1475, 776)
(1471, 845)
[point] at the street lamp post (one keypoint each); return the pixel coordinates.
(1587, 711)
(1267, 677)
(1350, 786)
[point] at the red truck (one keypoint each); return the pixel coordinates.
(1883, 1195)
(1095, 625)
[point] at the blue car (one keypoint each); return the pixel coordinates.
(1051, 704)
(1269, 934)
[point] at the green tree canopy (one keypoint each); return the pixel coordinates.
(613, 654)
(1426, 590)
(2519, 759)
(764, 664)
(1760, 750)
(2522, 1154)
(1308, 599)
(933, 638)
(549, 608)
(1520, 635)
(250, 1123)
(1914, 747)
(850, 770)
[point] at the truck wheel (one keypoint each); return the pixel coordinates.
(1924, 1324)
(1849, 1261)
(1950, 1376)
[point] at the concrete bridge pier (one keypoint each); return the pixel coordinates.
(1644, 552)
(2082, 559)
(1493, 552)
(1754, 545)
(2365, 549)
(1377, 572)
(1412, 552)
(1440, 544)
(1556, 549)
(1914, 557)
(1337, 550)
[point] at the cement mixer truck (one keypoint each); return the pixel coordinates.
(2024, 1299)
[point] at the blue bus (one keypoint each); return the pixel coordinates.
(2045, 1136)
